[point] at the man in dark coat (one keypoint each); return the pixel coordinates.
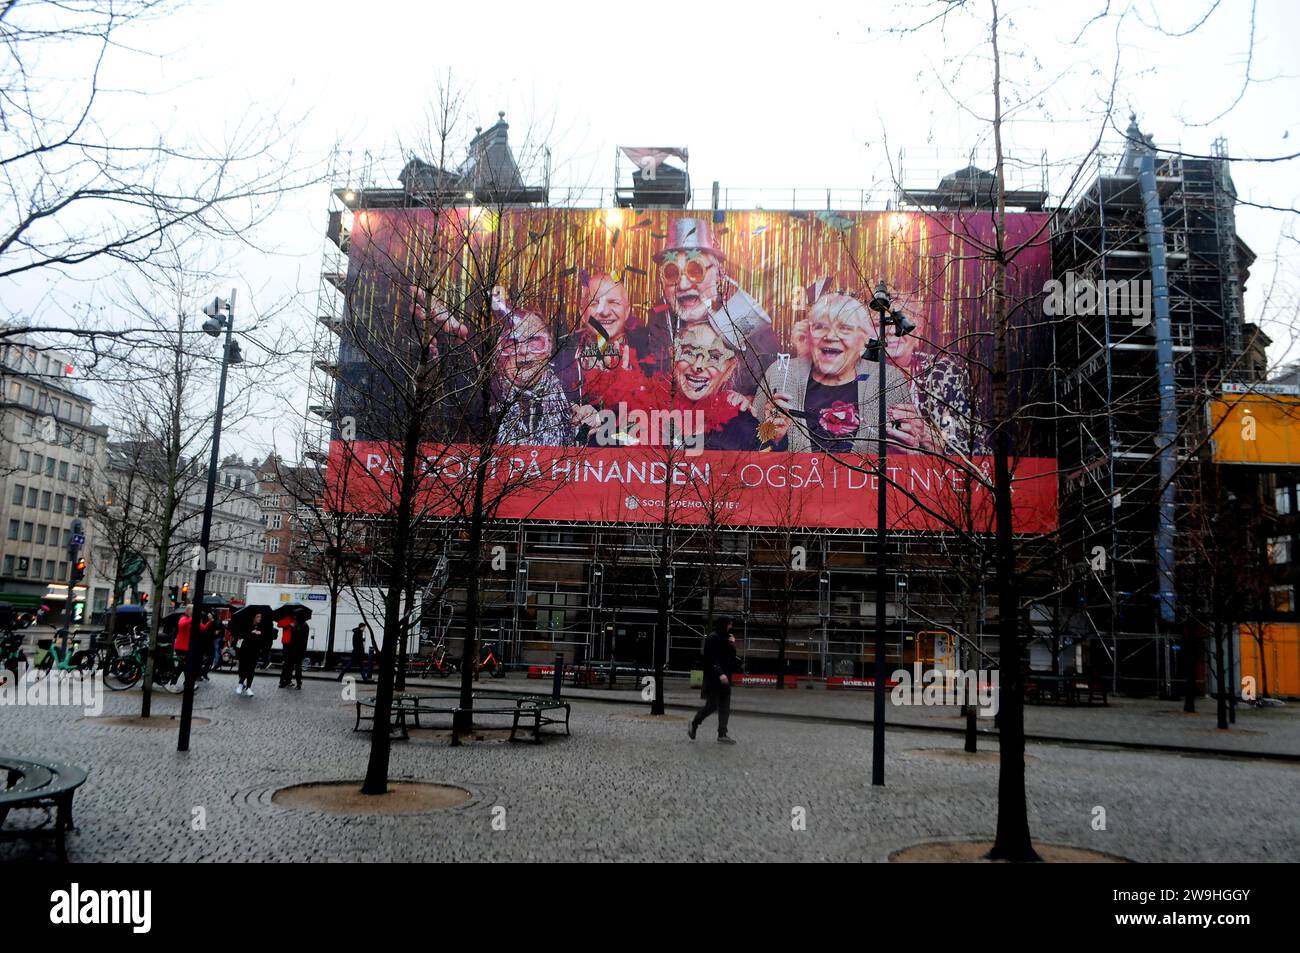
(719, 666)
(294, 652)
(359, 660)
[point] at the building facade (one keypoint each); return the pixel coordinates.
(51, 454)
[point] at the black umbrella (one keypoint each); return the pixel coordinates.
(295, 609)
(217, 602)
(170, 621)
(244, 615)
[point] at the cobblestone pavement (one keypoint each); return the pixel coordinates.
(1130, 720)
(623, 787)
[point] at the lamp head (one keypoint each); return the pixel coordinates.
(232, 354)
(212, 326)
(880, 300)
(903, 325)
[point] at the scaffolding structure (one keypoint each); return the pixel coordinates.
(591, 588)
(1107, 384)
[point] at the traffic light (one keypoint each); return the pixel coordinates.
(78, 571)
(185, 592)
(144, 598)
(172, 594)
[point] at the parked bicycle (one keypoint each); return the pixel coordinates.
(12, 656)
(127, 669)
(65, 655)
(490, 663)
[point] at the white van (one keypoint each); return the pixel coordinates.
(354, 607)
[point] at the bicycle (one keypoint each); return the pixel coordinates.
(126, 670)
(12, 656)
(65, 659)
(493, 665)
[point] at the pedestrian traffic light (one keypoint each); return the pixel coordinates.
(144, 598)
(78, 571)
(172, 595)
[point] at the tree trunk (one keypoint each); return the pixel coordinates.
(469, 651)
(376, 781)
(1012, 841)
(1191, 660)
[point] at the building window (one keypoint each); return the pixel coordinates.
(49, 569)
(72, 506)
(76, 473)
(273, 544)
(24, 459)
(13, 529)
(45, 500)
(38, 462)
(40, 534)
(63, 470)
(32, 496)
(276, 521)
(19, 490)
(58, 502)
(49, 466)
(27, 532)
(268, 574)
(9, 566)
(1282, 498)
(1279, 550)
(1283, 598)
(63, 570)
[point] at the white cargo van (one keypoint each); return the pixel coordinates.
(354, 607)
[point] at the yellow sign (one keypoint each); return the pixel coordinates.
(1262, 429)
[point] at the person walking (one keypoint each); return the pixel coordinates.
(359, 659)
(719, 666)
(249, 652)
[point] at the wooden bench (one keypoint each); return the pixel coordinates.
(35, 784)
(527, 706)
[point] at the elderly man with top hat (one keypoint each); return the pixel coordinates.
(695, 287)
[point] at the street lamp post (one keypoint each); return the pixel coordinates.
(883, 304)
(221, 314)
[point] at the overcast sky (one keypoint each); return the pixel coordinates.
(765, 95)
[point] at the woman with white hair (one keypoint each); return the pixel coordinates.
(826, 397)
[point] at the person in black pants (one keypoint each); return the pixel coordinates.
(359, 657)
(294, 652)
(250, 650)
(719, 666)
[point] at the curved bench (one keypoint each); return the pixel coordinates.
(528, 711)
(525, 706)
(37, 784)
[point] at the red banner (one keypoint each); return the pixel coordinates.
(634, 484)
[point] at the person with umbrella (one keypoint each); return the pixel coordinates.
(292, 619)
(254, 642)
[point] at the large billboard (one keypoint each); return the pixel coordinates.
(714, 364)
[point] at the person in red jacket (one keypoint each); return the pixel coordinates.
(182, 646)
